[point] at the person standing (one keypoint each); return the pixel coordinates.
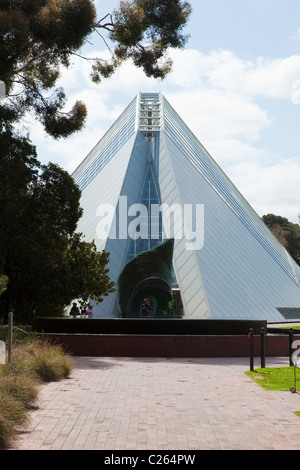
(74, 310)
(146, 309)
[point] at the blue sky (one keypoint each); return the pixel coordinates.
(249, 28)
(236, 85)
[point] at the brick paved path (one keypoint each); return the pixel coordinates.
(164, 404)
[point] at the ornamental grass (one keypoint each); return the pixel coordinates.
(45, 361)
(33, 363)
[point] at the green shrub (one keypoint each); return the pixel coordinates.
(20, 334)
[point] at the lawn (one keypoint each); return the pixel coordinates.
(276, 378)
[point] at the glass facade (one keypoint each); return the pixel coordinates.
(241, 271)
(151, 228)
(208, 168)
(107, 148)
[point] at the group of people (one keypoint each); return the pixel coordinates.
(146, 310)
(75, 311)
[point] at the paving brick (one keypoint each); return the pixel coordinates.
(165, 404)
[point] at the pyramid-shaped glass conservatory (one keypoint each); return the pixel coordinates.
(149, 179)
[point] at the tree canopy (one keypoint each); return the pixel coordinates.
(46, 262)
(39, 37)
(286, 232)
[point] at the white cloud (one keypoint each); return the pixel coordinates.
(216, 95)
(214, 114)
(271, 189)
(223, 70)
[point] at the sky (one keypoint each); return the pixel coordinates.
(236, 84)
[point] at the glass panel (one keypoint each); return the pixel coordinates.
(107, 147)
(154, 225)
(208, 168)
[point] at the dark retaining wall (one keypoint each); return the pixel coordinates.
(151, 326)
(112, 345)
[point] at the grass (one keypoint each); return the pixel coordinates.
(33, 363)
(42, 360)
(275, 378)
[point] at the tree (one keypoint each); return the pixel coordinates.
(3, 284)
(286, 232)
(38, 37)
(39, 205)
(46, 260)
(18, 168)
(87, 272)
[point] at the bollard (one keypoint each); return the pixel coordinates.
(291, 340)
(10, 333)
(2, 353)
(251, 338)
(263, 348)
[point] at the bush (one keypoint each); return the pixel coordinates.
(21, 387)
(42, 360)
(12, 414)
(32, 363)
(20, 334)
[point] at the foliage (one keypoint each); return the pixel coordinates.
(18, 169)
(276, 379)
(3, 284)
(171, 310)
(47, 263)
(19, 334)
(286, 232)
(44, 361)
(32, 363)
(145, 29)
(86, 271)
(21, 387)
(36, 38)
(12, 414)
(39, 37)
